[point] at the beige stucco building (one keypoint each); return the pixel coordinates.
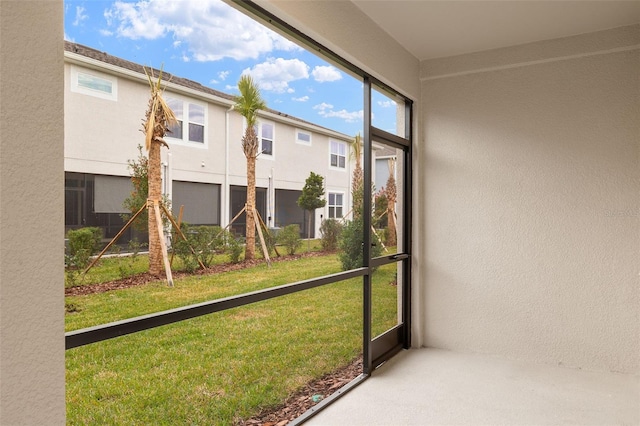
(526, 237)
(205, 169)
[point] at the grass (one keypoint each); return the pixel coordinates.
(223, 366)
(115, 268)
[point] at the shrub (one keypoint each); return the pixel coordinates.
(351, 245)
(330, 231)
(83, 243)
(206, 241)
(234, 247)
(289, 237)
(270, 240)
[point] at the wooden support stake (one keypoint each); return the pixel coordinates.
(379, 239)
(173, 222)
(173, 251)
(262, 243)
(267, 229)
(163, 244)
(114, 239)
(230, 223)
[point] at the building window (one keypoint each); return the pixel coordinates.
(193, 114)
(335, 205)
(266, 138)
(338, 154)
(302, 137)
(94, 84)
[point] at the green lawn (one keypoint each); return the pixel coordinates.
(223, 366)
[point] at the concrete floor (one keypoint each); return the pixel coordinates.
(437, 387)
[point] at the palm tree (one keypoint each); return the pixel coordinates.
(357, 181)
(158, 119)
(247, 104)
(391, 193)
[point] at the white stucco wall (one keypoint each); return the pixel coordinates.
(532, 211)
(31, 213)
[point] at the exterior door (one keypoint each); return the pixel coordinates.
(388, 155)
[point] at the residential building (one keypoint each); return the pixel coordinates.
(204, 169)
(526, 182)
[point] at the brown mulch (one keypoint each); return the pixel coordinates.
(146, 278)
(306, 397)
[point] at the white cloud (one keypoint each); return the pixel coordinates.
(276, 73)
(71, 39)
(231, 87)
(326, 73)
(211, 29)
(326, 110)
(301, 99)
(105, 33)
(387, 104)
(323, 106)
(222, 76)
(80, 16)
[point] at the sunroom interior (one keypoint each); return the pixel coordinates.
(524, 293)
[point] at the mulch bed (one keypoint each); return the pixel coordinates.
(306, 397)
(294, 406)
(146, 278)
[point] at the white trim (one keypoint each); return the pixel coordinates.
(262, 155)
(302, 142)
(340, 143)
(336, 205)
(77, 72)
(184, 140)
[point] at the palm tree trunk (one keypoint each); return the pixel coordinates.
(155, 191)
(250, 249)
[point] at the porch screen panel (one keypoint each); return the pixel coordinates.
(110, 193)
(287, 210)
(201, 202)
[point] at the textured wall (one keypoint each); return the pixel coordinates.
(31, 214)
(532, 213)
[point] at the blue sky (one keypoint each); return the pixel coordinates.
(214, 44)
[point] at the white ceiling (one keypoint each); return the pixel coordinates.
(433, 29)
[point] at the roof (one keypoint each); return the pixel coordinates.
(106, 58)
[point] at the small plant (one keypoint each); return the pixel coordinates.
(270, 240)
(352, 245)
(206, 241)
(83, 243)
(289, 237)
(126, 264)
(330, 231)
(70, 307)
(71, 275)
(234, 248)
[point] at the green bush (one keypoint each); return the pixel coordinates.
(234, 248)
(351, 245)
(289, 237)
(330, 229)
(83, 243)
(270, 240)
(206, 241)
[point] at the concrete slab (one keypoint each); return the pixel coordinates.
(437, 387)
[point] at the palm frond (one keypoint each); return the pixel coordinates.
(250, 100)
(159, 115)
